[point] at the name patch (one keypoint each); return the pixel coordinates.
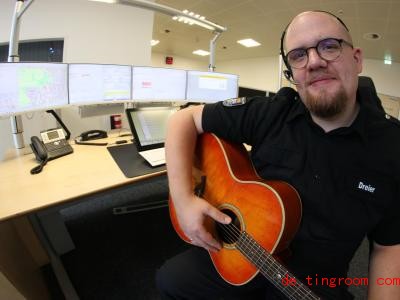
(366, 187)
(234, 102)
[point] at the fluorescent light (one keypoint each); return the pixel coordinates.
(191, 21)
(201, 52)
(249, 43)
(105, 1)
(154, 42)
(388, 59)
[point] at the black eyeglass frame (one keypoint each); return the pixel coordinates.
(340, 41)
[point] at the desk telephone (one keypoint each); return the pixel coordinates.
(93, 135)
(53, 145)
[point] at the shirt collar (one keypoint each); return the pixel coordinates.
(359, 125)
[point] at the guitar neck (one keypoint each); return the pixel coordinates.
(275, 272)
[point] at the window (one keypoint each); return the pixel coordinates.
(45, 51)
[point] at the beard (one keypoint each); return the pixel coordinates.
(324, 105)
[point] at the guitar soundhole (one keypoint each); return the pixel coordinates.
(229, 233)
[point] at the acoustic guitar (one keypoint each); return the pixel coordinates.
(265, 216)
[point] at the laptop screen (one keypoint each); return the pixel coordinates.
(149, 125)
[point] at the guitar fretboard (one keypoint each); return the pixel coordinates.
(272, 269)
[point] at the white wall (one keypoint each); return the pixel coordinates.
(258, 73)
(158, 60)
(93, 32)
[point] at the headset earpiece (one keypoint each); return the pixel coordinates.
(288, 74)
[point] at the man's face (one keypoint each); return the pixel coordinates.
(327, 88)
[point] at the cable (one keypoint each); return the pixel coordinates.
(89, 143)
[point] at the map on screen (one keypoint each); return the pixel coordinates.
(211, 86)
(96, 83)
(158, 84)
(32, 86)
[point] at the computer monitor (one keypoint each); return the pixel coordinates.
(211, 86)
(97, 83)
(32, 86)
(158, 84)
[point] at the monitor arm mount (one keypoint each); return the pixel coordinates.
(60, 122)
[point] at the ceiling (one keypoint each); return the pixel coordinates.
(264, 20)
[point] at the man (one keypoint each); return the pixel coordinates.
(339, 152)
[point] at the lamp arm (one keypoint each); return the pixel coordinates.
(17, 127)
(213, 41)
(27, 4)
(14, 35)
(169, 11)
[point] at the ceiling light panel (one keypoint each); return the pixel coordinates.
(201, 52)
(249, 43)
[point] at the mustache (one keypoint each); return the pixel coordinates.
(318, 77)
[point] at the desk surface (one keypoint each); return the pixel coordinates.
(88, 170)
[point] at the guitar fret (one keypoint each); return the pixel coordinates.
(272, 269)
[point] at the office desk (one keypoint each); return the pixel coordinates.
(89, 170)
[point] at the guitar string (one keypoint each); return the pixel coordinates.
(306, 291)
(301, 287)
(234, 234)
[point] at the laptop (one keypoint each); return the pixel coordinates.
(149, 126)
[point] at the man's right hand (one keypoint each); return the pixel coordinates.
(191, 216)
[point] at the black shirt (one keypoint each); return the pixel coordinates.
(348, 179)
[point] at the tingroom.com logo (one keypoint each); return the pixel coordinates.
(338, 281)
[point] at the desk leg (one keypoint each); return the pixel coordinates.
(58, 268)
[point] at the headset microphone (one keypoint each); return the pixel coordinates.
(289, 76)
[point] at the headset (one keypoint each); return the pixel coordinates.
(288, 73)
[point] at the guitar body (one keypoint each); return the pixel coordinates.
(268, 211)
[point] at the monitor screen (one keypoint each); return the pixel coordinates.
(95, 83)
(32, 86)
(211, 86)
(149, 124)
(158, 84)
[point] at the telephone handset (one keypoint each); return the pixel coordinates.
(53, 146)
(93, 135)
(39, 149)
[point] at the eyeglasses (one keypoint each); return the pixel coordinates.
(328, 49)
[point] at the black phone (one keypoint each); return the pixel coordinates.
(38, 149)
(52, 145)
(93, 135)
